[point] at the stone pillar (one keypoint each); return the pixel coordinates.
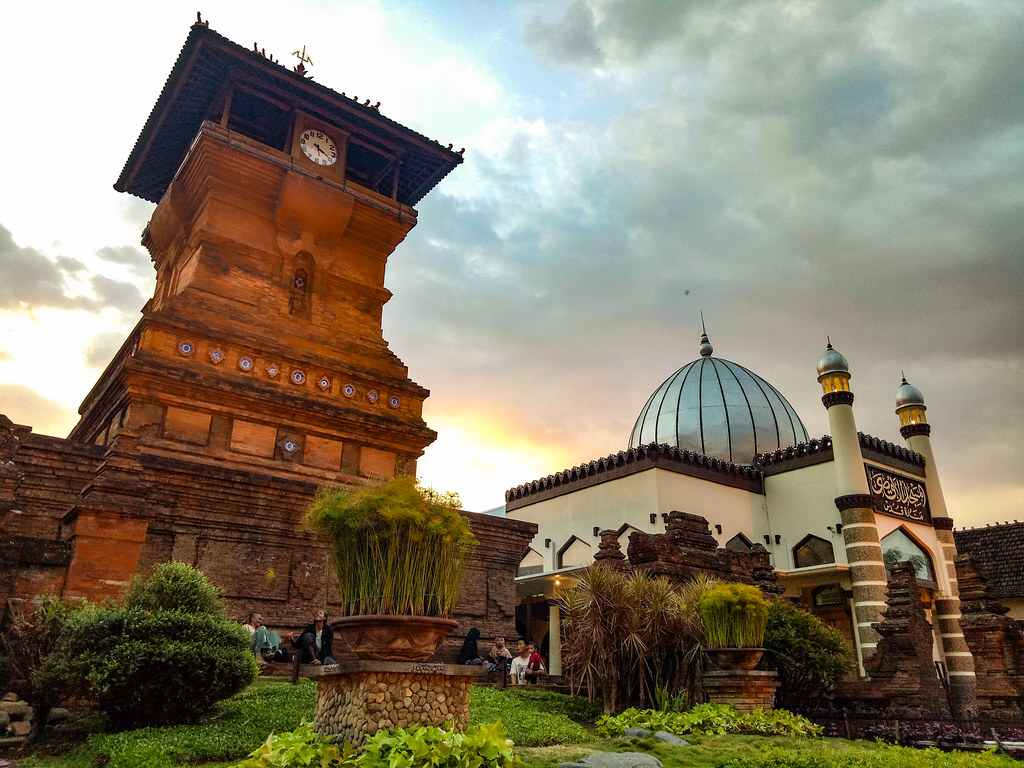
(916, 431)
(609, 551)
(955, 650)
(357, 699)
(744, 689)
(107, 528)
(856, 508)
(996, 643)
(903, 665)
(868, 580)
(554, 638)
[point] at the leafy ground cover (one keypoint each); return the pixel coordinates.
(547, 728)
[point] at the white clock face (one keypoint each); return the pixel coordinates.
(318, 147)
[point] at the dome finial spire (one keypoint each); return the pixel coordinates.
(828, 342)
(705, 346)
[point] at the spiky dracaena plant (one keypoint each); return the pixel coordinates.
(396, 549)
(734, 616)
(622, 633)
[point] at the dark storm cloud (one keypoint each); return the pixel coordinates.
(793, 169)
(117, 294)
(30, 280)
(129, 256)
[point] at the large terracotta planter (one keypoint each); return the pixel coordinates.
(393, 638)
(733, 658)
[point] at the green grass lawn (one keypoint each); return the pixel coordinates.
(547, 728)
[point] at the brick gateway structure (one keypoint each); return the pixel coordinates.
(258, 370)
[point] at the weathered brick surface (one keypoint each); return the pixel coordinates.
(687, 548)
(996, 643)
(902, 665)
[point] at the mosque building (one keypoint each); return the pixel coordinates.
(719, 441)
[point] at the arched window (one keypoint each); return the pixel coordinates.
(813, 550)
(899, 547)
(739, 543)
(532, 562)
(575, 552)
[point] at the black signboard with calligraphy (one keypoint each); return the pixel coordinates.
(898, 495)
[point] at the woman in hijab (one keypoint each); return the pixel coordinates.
(469, 653)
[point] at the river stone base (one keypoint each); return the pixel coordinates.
(746, 690)
(357, 699)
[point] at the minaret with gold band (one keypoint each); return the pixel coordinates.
(856, 509)
(916, 431)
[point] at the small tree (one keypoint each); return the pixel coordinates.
(33, 634)
(167, 656)
(623, 633)
(808, 655)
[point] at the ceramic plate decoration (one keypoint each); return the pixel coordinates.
(348, 390)
(298, 377)
(245, 363)
(186, 348)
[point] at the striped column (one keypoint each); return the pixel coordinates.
(867, 570)
(956, 652)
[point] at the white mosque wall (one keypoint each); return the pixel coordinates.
(798, 503)
(630, 499)
(569, 520)
(732, 508)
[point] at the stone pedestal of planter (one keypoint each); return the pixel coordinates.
(744, 689)
(357, 699)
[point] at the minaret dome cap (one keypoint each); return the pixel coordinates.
(832, 362)
(908, 395)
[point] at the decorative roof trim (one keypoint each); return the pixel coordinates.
(895, 456)
(631, 461)
(820, 450)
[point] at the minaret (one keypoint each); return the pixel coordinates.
(916, 431)
(856, 508)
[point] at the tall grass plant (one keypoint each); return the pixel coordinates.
(396, 549)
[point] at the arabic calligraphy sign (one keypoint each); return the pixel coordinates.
(898, 495)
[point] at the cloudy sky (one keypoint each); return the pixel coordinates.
(794, 169)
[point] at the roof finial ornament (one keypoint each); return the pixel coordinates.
(199, 20)
(705, 346)
(903, 376)
(828, 343)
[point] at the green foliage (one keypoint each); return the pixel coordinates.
(808, 656)
(430, 747)
(151, 667)
(710, 719)
(664, 700)
(174, 586)
(734, 616)
(861, 757)
(533, 717)
(301, 747)
(394, 549)
(416, 747)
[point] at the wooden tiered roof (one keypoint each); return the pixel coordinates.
(209, 62)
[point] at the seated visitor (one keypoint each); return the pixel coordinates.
(521, 662)
(469, 654)
(316, 641)
(534, 667)
(499, 655)
(265, 642)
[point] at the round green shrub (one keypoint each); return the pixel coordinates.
(808, 655)
(153, 667)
